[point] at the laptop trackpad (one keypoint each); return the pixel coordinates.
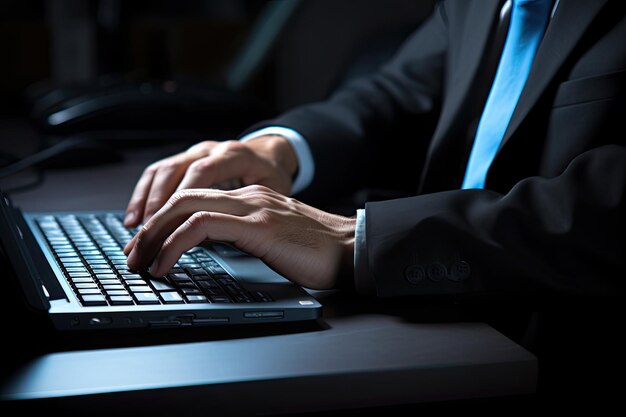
(244, 267)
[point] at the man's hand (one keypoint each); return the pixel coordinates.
(302, 243)
(267, 160)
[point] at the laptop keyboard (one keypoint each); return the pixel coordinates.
(88, 248)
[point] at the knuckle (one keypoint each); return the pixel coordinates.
(152, 168)
(264, 217)
(233, 146)
(201, 165)
(205, 146)
(169, 165)
(198, 219)
(181, 197)
(256, 189)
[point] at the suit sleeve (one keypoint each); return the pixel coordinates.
(363, 127)
(564, 235)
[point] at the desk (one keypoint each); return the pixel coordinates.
(363, 353)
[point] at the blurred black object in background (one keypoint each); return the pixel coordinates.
(144, 72)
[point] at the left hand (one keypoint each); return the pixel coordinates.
(306, 245)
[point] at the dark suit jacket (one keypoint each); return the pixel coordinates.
(552, 215)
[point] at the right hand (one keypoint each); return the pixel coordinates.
(266, 160)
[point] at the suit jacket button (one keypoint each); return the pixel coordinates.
(460, 271)
(436, 272)
(415, 274)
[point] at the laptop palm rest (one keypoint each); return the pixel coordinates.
(246, 268)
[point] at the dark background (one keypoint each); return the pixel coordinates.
(165, 74)
(78, 43)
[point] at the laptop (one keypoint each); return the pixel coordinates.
(71, 265)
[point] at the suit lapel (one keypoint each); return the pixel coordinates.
(571, 20)
(475, 36)
(469, 46)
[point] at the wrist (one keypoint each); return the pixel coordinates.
(347, 242)
(277, 149)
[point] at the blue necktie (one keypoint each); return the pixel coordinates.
(529, 19)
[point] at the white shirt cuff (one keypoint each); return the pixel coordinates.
(306, 166)
(364, 281)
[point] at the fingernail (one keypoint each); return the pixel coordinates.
(130, 217)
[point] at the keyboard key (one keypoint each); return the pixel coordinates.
(179, 277)
(90, 252)
(85, 291)
(220, 299)
(136, 282)
(113, 287)
(87, 285)
(109, 281)
(79, 274)
(193, 291)
(106, 276)
(171, 297)
(81, 280)
(58, 241)
(147, 298)
(76, 269)
(208, 284)
(186, 284)
(213, 269)
(70, 259)
(73, 264)
(93, 300)
(202, 278)
(161, 285)
(121, 300)
(117, 292)
(131, 276)
(215, 292)
(102, 270)
(140, 288)
(225, 277)
(196, 271)
(197, 299)
(85, 246)
(189, 265)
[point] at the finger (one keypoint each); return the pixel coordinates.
(130, 244)
(180, 207)
(137, 204)
(228, 162)
(239, 192)
(166, 179)
(199, 227)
